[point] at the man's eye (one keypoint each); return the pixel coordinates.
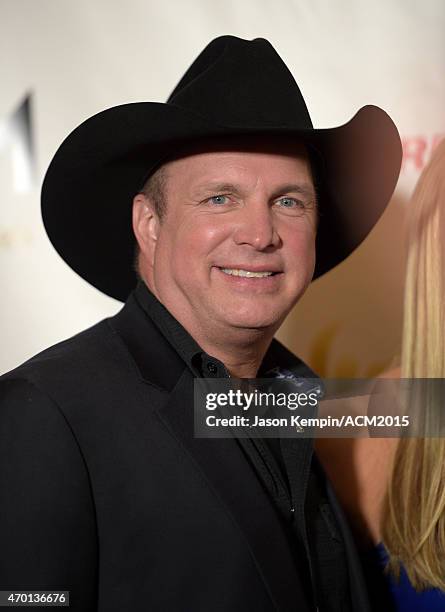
(218, 200)
(290, 203)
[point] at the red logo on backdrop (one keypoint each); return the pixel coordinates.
(417, 151)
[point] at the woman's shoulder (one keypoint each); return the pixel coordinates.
(405, 597)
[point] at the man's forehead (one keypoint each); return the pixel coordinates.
(221, 160)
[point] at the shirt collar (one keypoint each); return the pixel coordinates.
(200, 363)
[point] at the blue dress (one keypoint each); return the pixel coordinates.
(404, 596)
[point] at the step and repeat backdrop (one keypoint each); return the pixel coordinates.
(63, 61)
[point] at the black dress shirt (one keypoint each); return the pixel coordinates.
(287, 468)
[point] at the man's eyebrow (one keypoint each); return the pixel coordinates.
(218, 187)
(303, 189)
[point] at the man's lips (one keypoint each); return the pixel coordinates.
(250, 268)
(253, 278)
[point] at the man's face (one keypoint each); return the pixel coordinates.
(236, 247)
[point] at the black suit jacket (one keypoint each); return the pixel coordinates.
(106, 493)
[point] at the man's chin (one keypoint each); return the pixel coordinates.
(250, 322)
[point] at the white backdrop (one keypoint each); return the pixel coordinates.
(74, 59)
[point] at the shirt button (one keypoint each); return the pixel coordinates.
(211, 367)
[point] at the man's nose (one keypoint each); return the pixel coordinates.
(256, 226)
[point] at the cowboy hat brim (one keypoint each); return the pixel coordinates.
(88, 189)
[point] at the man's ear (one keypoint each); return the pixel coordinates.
(145, 225)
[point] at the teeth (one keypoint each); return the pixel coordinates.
(247, 273)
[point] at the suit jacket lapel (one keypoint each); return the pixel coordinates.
(236, 484)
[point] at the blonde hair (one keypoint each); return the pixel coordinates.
(414, 530)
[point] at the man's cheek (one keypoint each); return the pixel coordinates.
(186, 269)
(304, 248)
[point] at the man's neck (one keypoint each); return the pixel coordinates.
(241, 359)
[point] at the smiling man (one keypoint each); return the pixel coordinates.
(237, 203)
(236, 245)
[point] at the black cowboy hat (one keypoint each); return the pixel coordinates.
(234, 87)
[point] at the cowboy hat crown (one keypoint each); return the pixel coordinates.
(242, 84)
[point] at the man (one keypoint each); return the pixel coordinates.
(237, 204)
